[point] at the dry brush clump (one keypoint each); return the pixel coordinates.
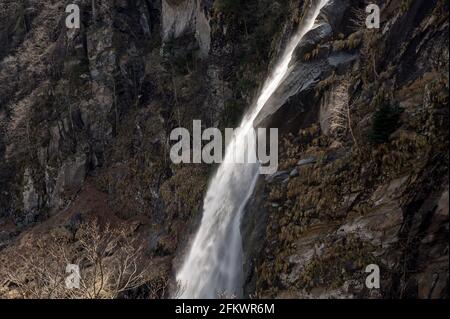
(111, 263)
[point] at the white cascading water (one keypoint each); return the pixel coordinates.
(214, 263)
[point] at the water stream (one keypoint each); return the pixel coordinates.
(214, 262)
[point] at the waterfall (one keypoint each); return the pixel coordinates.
(214, 262)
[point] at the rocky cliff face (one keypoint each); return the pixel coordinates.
(364, 161)
(85, 117)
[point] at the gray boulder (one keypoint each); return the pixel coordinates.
(307, 161)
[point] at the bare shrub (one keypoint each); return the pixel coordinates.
(339, 114)
(110, 261)
(358, 21)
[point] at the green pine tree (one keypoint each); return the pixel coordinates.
(385, 122)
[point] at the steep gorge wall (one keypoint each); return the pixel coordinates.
(353, 189)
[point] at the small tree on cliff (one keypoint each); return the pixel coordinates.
(385, 122)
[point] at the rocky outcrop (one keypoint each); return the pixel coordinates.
(70, 178)
(306, 72)
(432, 278)
(187, 16)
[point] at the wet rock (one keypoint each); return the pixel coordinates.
(306, 74)
(253, 234)
(312, 38)
(302, 78)
(278, 176)
(334, 12)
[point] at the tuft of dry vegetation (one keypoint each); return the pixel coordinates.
(111, 263)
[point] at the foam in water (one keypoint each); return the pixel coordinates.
(213, 265)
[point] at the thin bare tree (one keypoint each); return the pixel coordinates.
(111, 262)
